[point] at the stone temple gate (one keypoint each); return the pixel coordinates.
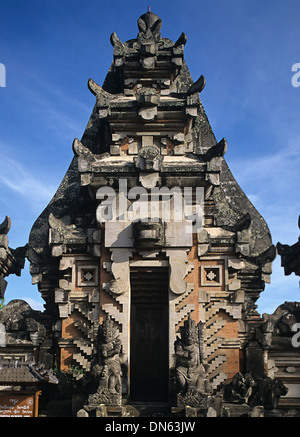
(150, 257)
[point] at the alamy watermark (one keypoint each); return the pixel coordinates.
(2, 335)
(296, 77)
(151, 205)
(2, 75)
(296, 337)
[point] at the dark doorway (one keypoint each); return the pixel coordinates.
(149, 335)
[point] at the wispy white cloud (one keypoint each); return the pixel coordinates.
(35, 304)
(50, 106)
(55, 105)
(17, 178)
(279, 168)
(282, 288)
(272, 183)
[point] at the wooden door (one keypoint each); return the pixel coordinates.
(149, 339)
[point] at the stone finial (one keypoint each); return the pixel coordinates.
(11, 260)
(149, 24)
(148, 38)
(5, 226)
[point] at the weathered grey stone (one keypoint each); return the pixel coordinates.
(11, 261)
(115, 150)
(290, 256)
(149, 180)
(257, 412)
(166, 141)
(149, 159)
(211, 412)
(82, 413)
(178, 270)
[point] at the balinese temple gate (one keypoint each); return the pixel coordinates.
(150, 257)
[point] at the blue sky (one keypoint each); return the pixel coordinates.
(245, 50)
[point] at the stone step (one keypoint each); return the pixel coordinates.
(182, 313)
(221, 377)
(84, 310)
(211, 320)
(84, 346)
(85, 328)
(215, 344)
(216, 362)
(83, 362)
(214, 328)
(114, 313)
(233, 310)
(212, 311)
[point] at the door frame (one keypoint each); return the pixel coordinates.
(138, 267)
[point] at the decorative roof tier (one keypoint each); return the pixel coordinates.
(148, 125)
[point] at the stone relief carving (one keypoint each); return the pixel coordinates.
(179, 268)
(191, 373)
(107, 370)
(148, 234)
(66, 238)
(239, 389)
(243, 389)
(149, 159)
(120, 270)
(119, 49)
(267, 393)
(290, 256)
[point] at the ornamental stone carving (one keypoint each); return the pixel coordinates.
(191, 378)
(107, 369)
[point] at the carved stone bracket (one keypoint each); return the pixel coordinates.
(149, 159)
(11, 260)
(119, 288)
(62, 238)
(120, 270)
(179, 268)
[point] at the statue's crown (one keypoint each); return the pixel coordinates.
(189, 327)
(107, 328)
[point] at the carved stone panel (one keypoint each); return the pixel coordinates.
(87, 276)
(211, 276)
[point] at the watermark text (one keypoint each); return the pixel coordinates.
(296, 337)
(296, 76)
(2, 76)
(167, 204)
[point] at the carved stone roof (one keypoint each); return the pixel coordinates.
(23, 373)
(148, 117)
(17, 376)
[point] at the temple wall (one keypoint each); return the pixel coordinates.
(208, 296)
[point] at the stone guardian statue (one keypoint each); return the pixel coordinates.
(107, 369)
(193, 386)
